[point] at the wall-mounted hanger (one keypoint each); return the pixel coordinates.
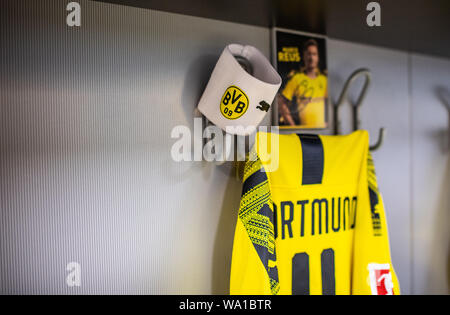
(247, 66)
(356, 106)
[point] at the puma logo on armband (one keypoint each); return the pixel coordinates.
(264, 106)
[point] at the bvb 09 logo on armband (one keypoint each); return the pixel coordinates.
(234, 103)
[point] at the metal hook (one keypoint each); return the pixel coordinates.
(343, 96)
(444, 95)
(248, 67)
(356, 105)
(380, 140)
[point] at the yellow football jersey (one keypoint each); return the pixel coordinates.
(314, 223)
(310, 97)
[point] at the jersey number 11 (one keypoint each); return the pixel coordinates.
(300, 273)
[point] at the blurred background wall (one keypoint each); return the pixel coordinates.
(85, 168)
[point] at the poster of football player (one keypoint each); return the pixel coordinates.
(300, 59)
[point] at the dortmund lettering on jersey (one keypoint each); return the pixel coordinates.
(316, 224)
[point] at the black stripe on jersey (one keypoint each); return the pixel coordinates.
(253, 180)
(328, 272)
(266, 211)
(313, 159)
(300, 274)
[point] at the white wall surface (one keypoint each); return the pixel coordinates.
(430, 90)
(85, 167)
(86, 172)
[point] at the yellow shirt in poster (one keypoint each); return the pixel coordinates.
(310, 95)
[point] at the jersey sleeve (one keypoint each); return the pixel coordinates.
(289, 89)
(253, 267)
(373, 273)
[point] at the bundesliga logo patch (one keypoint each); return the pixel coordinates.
(381, 279)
